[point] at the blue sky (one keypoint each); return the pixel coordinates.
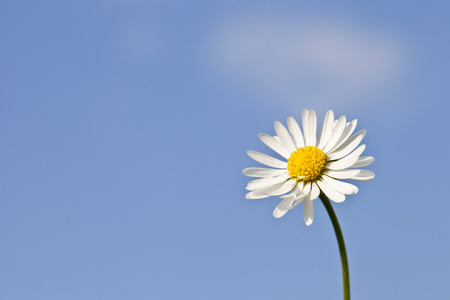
(124, 127)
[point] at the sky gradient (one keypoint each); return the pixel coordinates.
(124, 127)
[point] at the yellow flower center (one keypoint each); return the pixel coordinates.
(306, 163)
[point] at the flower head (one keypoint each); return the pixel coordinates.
(315, 163)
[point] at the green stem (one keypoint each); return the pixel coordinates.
(340, 240)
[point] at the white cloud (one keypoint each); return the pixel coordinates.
(289, 60)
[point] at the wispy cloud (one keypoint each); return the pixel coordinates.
(325, 62)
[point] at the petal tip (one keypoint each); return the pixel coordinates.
(250, 196)
(278, 213)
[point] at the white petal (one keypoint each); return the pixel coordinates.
(282, 207)
(255, 195)
(263, 182)
(296, 132)
(350, 127)
(330, 192)
(309, 121)
(285, 137)
(296, 191)
(348, 146)
(327, 129)
(306, 189)
(335, 135)
(267, 160)
(285, 188)
(276, 189)
(263, 172)
(341, 186)
(347, 161)
(308, 211)
(297, 201)
(275, 145)
(273, 190)
(363, 161)
(364, 175)
(315, 191)
(266, 182)
(292, 193)
(342, 174)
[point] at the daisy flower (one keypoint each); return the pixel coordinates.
(314, 163)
